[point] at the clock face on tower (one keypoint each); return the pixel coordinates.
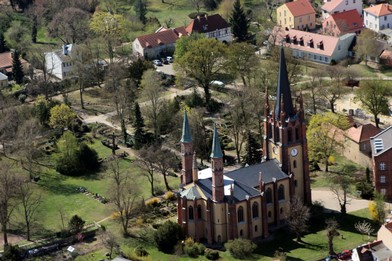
(294, 152)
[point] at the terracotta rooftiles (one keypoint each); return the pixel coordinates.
(330, 6)
(348, 20)
(205, 24)
(169, 36)
(363, 132)
(6, 60)
(300, 8)
(379, 10)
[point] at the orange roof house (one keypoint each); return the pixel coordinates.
(386, 58)
(313, 47)
(378, 17)
(212, 26)
(6, 63)
(338, 6)
(298, 15)
(342, 23)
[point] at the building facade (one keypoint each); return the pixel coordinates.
(215, 207)
(381, 145)
(341, 23)
(212, 26)
(298, 15)
(378, 17)
(59, 63)
(338, 6)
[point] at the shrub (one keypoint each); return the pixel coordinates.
(141, 251)
(194, 15)
(214, 106)
(192, 248)
(11, 253)
(153, 203)
(76, 224)
(240, 248)
(194, 100)
(170, 196)
(167, 236)
(211, 254)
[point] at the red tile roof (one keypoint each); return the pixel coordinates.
(300, 8)
(205, 24)
(347, 21)
(329, 42)
(379, 10)
(168, 36)
(6, 61)
(330, 6)
(363, 132)
(389, 226)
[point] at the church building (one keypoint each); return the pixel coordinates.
(217, 206)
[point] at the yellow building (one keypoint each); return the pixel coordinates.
(298, 15)
(215, 207)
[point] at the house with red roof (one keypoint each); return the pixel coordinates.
(344, 22)
(386, 58)
(297, 15)
(378, 17)
(212, 26)
(313, 47)
(371, 251)
(155, 45)
(337, 6)
(357, 144)
(381, 145)
(6, 63)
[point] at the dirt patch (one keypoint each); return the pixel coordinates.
(12, 239)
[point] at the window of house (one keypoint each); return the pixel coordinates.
(326, 59)
(281, 192)
(300, 19)
(321, 58)
(385, 18)
(295, 183)
(309, 18)
(314, 56)
(269, 214)
(240, 214)
(290, 19)
(339, 47)
(255, 210)
(382, 179)
(190, 213)
(346, 2)
(281, 210)
(353, 1)
(268, 195)
(294, 164)
(284, 12)
(383, 166)
(241, 233)
(383, 191)
(256, 228)
(199, 214)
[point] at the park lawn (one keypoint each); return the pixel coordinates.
(362, 70)
(95, 101)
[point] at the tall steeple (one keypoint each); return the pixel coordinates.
(186, 131)
(186, 152)
(216, 146)
(283, 93)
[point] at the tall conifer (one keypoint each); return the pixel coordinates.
(239, 22)
(17, 69)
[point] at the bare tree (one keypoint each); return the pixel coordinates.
(298, 217)
(110, 242)
(313, 87)
(340, 185)
(165, 160)
(146, 162)
(9, 183)
(365, 228)
(336, 89)
(31, 202)
(123, 193)
(332, 232)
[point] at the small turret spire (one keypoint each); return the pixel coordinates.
(283, 93)
(186, 130)
(216, 146)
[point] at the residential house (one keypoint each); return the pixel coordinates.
(344, 22)
(314, 47)
(376, 250)
(59, 63)
(298, 15)
(384, 234)
(212, 26)
(6, 63)
(337, 6)
(381, 145)
(357, 144)
(217, 206)
(386, 58)
(3, 80)
(378, 17)
(160, 43)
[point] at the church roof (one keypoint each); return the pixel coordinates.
(283, 93)
(191, 193)
(186, 130)
(216, 146)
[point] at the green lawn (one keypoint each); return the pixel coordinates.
(362, 70)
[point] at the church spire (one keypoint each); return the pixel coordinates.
(283, 93)
(216, 146)
(186, 131)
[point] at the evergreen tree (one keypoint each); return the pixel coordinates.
(141, 10)
(3, 45)
(239, 22)
(138, 124)
(34, 30)
(253, 155)
(17, 69)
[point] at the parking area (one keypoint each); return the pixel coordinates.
(166, 68)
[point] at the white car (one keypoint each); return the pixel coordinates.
(169, 59)
(217, 83)
(157, 62)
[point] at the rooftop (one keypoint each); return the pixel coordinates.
(207, 23)
(169, 36)
(363, 132)
(300, 8)
(379, 10)
(381, 142)
(348, 20)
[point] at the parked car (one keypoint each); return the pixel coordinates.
(164, 61)
(218, 84)
(170, 59)
(157, 62)
(345, 255)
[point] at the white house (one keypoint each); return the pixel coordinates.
(212, 26)
(378, 17)
(337, 6)
(3, 80)
(313, 47)
(59, 63)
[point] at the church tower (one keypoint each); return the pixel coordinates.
(217, 169)
(285, 134)
(186, 152)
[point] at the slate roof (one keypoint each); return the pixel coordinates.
(363, 132)
(191, 193)
(186, 130)
(347, 21)
(379, 10)
(216, 146)
(169, 36)
(384, 139)
(250, 175)
(207, 23)
(300, 8)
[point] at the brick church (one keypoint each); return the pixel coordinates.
(217, 206)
